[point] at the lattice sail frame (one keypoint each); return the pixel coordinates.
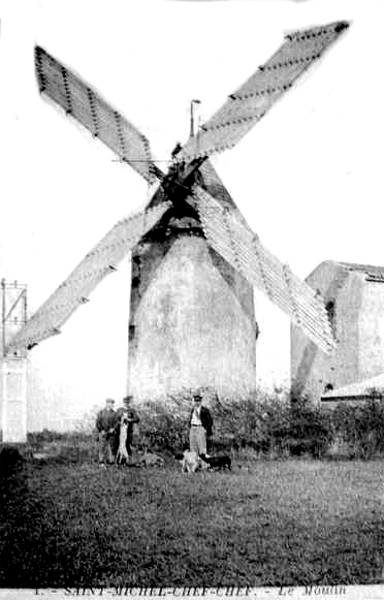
(97, 264)
(251, 101)
(228, 233)
(87, 106)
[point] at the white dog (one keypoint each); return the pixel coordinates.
(191, 462)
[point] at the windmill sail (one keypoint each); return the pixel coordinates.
(247, 105)
(225, 229)
(96, 265)
(85, 105)
(228, 234)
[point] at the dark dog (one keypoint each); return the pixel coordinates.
(217, 463)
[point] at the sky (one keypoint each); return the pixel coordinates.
(308, 178)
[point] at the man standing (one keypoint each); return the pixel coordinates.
(127, 414)
(106, 426)
(200, 426)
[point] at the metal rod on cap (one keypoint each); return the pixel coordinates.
(192, 129)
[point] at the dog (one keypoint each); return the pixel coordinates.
(149, 459)
(217, 463)
(190, 461)
(122, 455)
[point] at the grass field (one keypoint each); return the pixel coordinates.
(277, 523)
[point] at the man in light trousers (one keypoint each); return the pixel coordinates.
(200, 424)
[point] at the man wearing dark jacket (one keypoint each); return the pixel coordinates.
(200, 423)
(106, 424)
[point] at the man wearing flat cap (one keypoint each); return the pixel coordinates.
(106, 425)
(129, 416)
(200, 423)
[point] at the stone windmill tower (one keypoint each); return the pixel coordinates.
(195, 259)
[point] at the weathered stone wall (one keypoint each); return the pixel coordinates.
(371, 330)
(192, 322)
(356, 311)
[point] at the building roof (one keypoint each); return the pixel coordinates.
(359, 389)
(370, 271)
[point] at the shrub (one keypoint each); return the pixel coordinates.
(63, 448)
(162, 426)
(11, 461)
(45, 436)
(261, 425)
(310, 428)
(258, 423)
(360, 429)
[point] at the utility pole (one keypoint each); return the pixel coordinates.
(2, 317)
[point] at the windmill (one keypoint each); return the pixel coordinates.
(195, 260)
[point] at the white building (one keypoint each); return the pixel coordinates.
(354, 297)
